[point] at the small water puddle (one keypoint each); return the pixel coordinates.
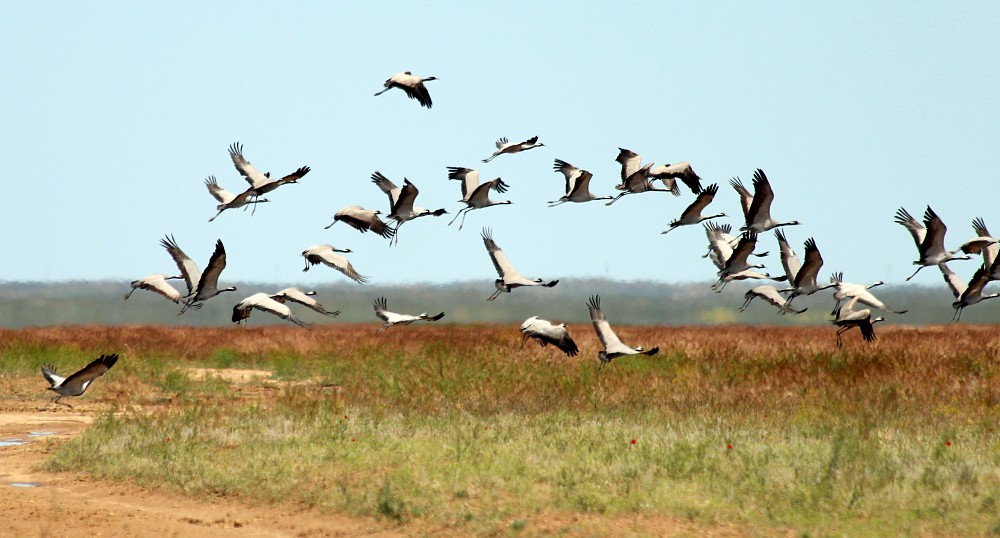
(25, 484)
(40, 434)
(11, 442)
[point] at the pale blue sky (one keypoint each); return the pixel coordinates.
(115, 112)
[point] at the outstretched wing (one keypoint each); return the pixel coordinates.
(189, 270)
(601, 326)
(92, 371)
(500, 262)
(253, 176)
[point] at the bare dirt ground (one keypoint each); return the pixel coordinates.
(66, 504)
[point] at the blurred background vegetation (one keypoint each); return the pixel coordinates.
(26, 304)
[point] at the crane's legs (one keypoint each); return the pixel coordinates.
(460, 212)
(915, 272)
(615, 199)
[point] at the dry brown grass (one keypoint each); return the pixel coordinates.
(930, 371)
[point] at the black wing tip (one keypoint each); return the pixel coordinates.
(652, 352)
(594, 301)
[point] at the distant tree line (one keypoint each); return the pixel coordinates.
(24, 304)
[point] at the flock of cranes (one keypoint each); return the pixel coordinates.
(734, 256)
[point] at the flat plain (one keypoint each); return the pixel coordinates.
(454, 430)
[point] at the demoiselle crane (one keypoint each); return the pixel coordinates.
(327, 255)
(509, 277)
(929, 239)
(721, 243)
(545, 332)
(304, 298)
(412, 85)
(228, 200)
(264, 303)
(983, 243)
(636, 183)
(613, 347)
(401, 208)
(846, 318)
(392, 318)
(480, 198)
(362, 219)
(503, 146)
(692, 215)
(802, 278)
(770, 294)
(967, 294)
(261, 183)
(759, 215)
(577, 184)
(77, 383)
(846, 291)
(201, 286)
(157, 284)
(670, 173)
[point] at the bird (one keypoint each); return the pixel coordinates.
(983, 243)
(362, 219)
(77, 383)
(392, 318)
(509, 277)
(802, 278)
(929, 239)
(738, 261)
(636, 183)
(265, 303)
(669, 173)
(158, 284)
(967, 294)
(480, 198)
(304, 298)
(412, 85)
(738, 267)
(327, 255)
(758, 217)
(201, 286)
(613, 347)
(721, 243)
(847, 318)
(545, 332)
(692, 215)
(259, 182)
(503, 146)
(228, 200)
(743, 275)
(848, 290)
(401, 208)
(770, 294)
(631, 162)
(577, 184)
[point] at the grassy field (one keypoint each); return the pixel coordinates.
(772, 430)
